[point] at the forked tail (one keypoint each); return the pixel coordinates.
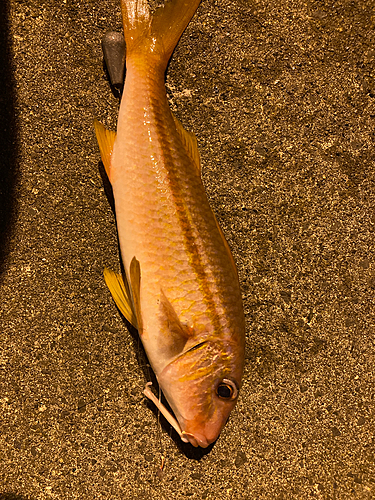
(154, 35)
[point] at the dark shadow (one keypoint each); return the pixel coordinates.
(13, 496)
(107, 187)
(8, 137)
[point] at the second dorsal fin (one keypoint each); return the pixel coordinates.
(190, 143)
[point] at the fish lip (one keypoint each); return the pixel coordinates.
(195, 440)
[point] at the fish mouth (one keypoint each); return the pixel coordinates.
(195, 440)
(198, 435)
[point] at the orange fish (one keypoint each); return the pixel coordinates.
(181, 288)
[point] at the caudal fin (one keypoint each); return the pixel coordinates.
(155, 34)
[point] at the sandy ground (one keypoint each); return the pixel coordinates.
(281, 96)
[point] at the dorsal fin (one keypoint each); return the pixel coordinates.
(106, 139)
(190, 143)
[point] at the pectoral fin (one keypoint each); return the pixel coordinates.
(176, 335)
(106, 139)
(121, 295)
(127, 298)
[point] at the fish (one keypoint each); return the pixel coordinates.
(180, 286)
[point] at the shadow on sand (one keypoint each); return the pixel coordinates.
(9, 140)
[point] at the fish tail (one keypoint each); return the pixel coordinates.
(154, 35)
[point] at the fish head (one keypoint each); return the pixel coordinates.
(201, 386)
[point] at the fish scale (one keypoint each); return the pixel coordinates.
(139, 205)
(185, 296)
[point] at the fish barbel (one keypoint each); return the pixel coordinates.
(181, 288)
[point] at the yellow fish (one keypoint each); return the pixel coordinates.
(181, 288)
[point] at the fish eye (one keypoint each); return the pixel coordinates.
(227, 389)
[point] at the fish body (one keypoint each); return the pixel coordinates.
(182, 286)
